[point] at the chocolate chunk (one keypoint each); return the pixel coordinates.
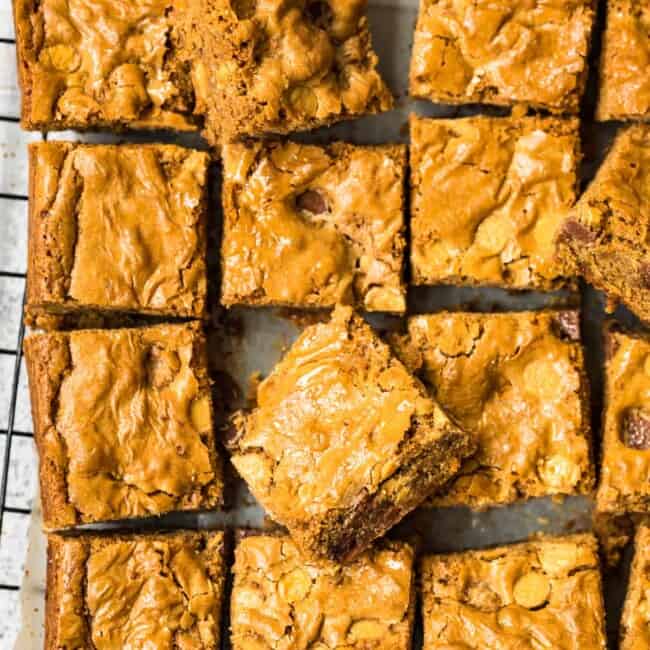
(636, 429)
(311, 201)
(577, 231)
(568, 325)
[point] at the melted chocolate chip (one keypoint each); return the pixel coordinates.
(577, 231)
(635, 432)
(311, 201)
(568, 325)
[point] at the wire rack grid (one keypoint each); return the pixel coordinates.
(17, 476)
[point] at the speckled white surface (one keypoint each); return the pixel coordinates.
(13, 255)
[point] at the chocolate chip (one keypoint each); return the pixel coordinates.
(311, 201)
(636, 429)
(577, 231)
(568, 325)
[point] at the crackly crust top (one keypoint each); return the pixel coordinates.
(336, 419)
(281, 600)
(129, 430)
(118, 227)
(502, 53)
(624, 84)
(158, 591)
(606, 235)
(517, 381)
(625, 469)
(332, 216)
(546, 591)
(488, 198)
(101, 64)
(278, 66)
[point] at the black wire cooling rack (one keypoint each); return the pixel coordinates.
(10, 433)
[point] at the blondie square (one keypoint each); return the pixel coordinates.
(607, 233)
(102, 64)
(123, 423)
(488, 196)
(117, 228)
(518, 381)
(625, 472)
(635, 622)
(531, 52)
(135, 591)
(624, 80)
(309, 226)
(280, 66)
(282, 600)
(344, 441)
(544, 593)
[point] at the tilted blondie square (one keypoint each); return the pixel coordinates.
(117, 228)
(624, 82)
(344, 441)
(277, 66)
(518, 381)
(103, 64)
(309, 226)
(488, 196)
(635, 622)
(282, 600)
(625, 473)
(123, 423)
(531, 52)
(543, 593)
(607, 233)
(135, 591)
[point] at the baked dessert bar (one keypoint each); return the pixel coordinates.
(277, 67)
(518, 381)
(332, 216)
(543, 593)
(344, 441)
(282, 600)
(117, 228)
(488, 196)
(531, 52)
(625, 473)
(624, 83)
(123, 423)
(635, 622)
(135, 591)
(606, 235)
(106, 64)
